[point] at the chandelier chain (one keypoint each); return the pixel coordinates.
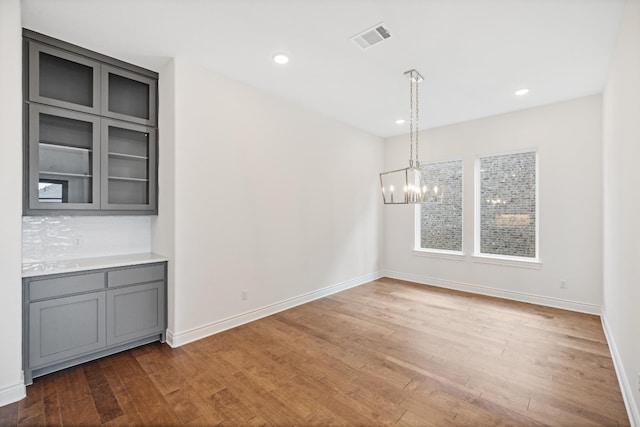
(417, 122)
(411, 120)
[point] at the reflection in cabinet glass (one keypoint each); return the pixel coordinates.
(63, 164)
(129, 159)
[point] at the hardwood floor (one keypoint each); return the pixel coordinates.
(387, 352)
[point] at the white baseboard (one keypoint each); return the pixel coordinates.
(495, 292)
(13, 393)
(177, 339)
(625, 384)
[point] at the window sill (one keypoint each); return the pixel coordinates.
(534, 263)
(434, 253)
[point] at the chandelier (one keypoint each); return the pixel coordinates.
(402, 186)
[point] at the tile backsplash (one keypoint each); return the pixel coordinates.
(65, 237)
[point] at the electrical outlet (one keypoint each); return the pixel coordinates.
(77, 242)
(563, 284)
(244, 295)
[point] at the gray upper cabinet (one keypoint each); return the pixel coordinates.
(128, 96)
(63, 79)
(64, 149)
(90, 132)
(128, 160)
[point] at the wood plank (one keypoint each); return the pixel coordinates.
(9, 414)
(31, 409)
(103, 397)
(183, 406)
(80, 412)
(131, 414)
(52, 414)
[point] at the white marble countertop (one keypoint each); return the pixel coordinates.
(32, 269)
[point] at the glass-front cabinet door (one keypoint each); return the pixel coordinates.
(64, 149)
(129, 166)
(128, 96)
(63, 79)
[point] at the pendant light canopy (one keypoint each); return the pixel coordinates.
(402, 186)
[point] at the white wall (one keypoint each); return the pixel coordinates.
(11, 385)
(568, 139)
(163, 225)
(621, 105)
(269, 197)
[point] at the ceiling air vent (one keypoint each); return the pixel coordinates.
(374, 35)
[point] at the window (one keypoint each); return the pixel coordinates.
(440, 217)
(507, 205)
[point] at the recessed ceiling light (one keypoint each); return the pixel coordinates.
(280, 58)
(400, 121)
(521, 92)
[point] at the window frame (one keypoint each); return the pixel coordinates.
(511, 260)
(431, 252)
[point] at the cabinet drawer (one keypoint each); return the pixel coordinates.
(129, 276)
(48, 288)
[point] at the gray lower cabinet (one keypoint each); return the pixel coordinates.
(56, 332)
(135, 312)
(73, 318)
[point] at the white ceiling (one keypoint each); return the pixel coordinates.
(473, 53)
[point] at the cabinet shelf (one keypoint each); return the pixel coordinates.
(56, 146)
(127, 156)
(77, 175)
(124, 178)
